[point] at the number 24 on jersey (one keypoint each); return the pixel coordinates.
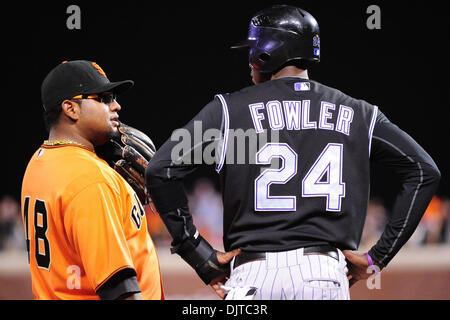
(328, 165)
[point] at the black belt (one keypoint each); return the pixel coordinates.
(247, 256)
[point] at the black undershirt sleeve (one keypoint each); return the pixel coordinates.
(188, 148)
(181, 154)
(419, 178)
(120, 286)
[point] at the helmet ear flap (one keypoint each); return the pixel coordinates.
(254, 61)
(260, 60)
(265, 57)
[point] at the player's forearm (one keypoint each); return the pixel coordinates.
(170, 200)
(419, 177)
(409, 207)
(188, 243)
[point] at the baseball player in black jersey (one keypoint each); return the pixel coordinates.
(293, 156)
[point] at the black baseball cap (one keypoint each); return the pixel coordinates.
(78, 77)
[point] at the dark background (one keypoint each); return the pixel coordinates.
(178, 55)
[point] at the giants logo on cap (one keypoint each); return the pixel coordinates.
(100, 70)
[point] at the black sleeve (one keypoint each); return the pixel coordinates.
(120, 286)
(419, 177)
(189, 147)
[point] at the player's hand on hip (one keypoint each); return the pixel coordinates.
(217, 283)
(357, 265)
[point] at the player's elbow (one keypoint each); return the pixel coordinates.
(431, 173)
(435, 174)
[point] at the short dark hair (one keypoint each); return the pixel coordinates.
(51, 116)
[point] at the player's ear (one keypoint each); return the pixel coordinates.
(71, 109)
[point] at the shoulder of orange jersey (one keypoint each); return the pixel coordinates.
(73, 168)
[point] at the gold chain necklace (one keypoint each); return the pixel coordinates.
(63, 141)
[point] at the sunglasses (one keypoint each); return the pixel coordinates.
(106, 98)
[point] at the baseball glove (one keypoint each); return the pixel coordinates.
(128, 152)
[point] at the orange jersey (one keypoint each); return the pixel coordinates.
(83, 223)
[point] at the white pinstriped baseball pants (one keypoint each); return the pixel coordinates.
(290, 275)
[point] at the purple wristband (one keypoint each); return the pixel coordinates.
(369, 258)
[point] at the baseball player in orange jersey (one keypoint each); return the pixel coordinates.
(85, 227)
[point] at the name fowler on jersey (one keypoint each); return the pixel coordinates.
(295, 115)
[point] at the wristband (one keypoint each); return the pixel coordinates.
(369, 258)
(371, 264)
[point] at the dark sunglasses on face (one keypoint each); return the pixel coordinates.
(106, 97)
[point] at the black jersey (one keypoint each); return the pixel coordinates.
(307, 179)
(293, 157)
